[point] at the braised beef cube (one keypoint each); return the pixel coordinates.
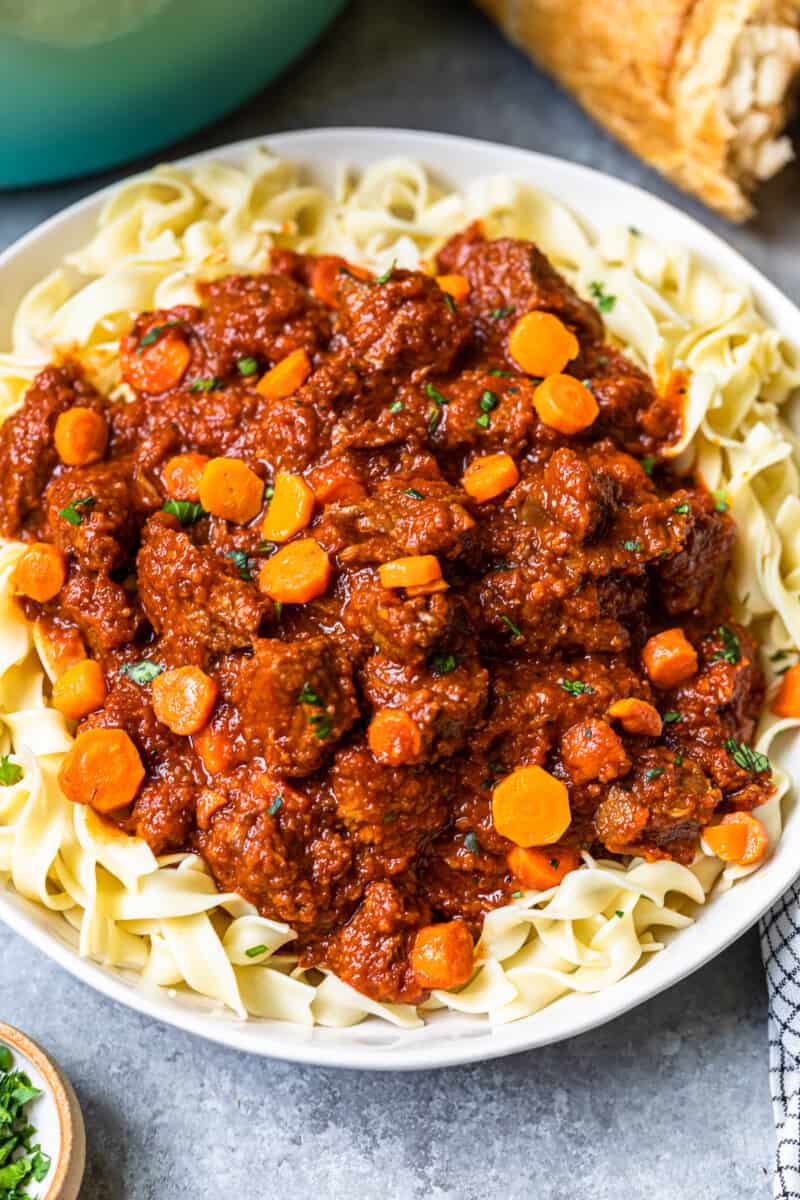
(107, 614)
(579, 498)
(94, 513)
(400, 325)
(402, 627)
(485, 413)
(295, 700)
(631, 409)
(690, 580)
(192, 597)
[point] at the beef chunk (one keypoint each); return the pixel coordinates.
(107, 614)
(103, 530)
(691, 579)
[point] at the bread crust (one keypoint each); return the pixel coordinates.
(653, 73)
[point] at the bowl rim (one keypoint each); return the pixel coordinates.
(427, 1048)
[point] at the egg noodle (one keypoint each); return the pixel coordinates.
(157, 234)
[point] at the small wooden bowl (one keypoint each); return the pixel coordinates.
(56, 1115)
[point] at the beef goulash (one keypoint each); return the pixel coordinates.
(379, 594)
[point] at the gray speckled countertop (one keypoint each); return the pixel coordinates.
(669, 1102)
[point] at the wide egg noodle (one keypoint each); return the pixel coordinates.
(157, 236)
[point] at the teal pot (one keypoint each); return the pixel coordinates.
(86, 84)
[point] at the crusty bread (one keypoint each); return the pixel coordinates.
(701, 89)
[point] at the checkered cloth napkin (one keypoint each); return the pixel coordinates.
(780, 948)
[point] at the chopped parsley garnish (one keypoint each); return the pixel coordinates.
(269, 491)
(187, 511)
(154, 334)
(472, 844)
(746, 757)
(142, 671)
(397, 407)
(603, 299)
(387, 275)
(681, 508)
(632, 546)
(276, 804)
(506, 310)
(720, 500)
(488, 401)
(308, 695)
(241, 562)
(516, 895)
(436, 396)
(555, 863)
(321, 724)
(576, 687)
(654, 772)
(443, 664)
(10, 773)
(502, 374)
(255, 951)
(620, 913)
(450, 302)
(247, 366)
(671, 717)
(71, 514)
(731, 648)
(266, 548)
(648, 463)
(483, 420)
(22, 1160)
(507, 620)
(205, 385)
(678, 759)
(413, 493)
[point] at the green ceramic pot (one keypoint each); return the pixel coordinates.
(86, 84)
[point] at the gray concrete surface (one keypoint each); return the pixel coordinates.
(668, 1103)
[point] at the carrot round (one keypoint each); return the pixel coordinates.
(394, 737)
(336, 481)
(539, 869)
(229, 489)
(787, 701)
(285, 377)
(182, 476)
(103, 769)
(183, 699)
(541, 344)
(80, 690)
(214, 748)
(414, 571)
(290, 509)
(531, 807)
(636, 716)
(739, 838)
(80, 436)
(669, 658)
(443, 955)
(565, 404)
(456, 286)
(40, 572)
(489, 476)
(158, 365)
(299, 572)
(325, 276)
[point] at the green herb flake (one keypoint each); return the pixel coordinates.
(619, 913)
(255, 951)
(413, 493)
(514, 629)
(141, 672)
(308, 695)
(444, 664)
(247, 366)
(633, 546)
(720, 500)
(154, 334)
(502, 374)
(731, 651)
(436, 396)
(472, 844)
(277, 607)
(678, 759)
(71, 514)
(10, 773)
(603, 299)
(266, 548)
(187, 511)
(489, 401)
(555, 863)
(387, 275)
(746, 757)
(654, 772)
(205, 385)
(576, 687)
(672, 717)
(434, 419)
(397, 407)
(276, 804)
(516, 895)
(681, 508)
(241, 562)
(507, 310)
(648, 463)
(321, 725)
(484, 421)
(450, 302)
(22, 1160)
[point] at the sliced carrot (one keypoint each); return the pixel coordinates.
(531, 807)
(739, 838)
(214, 748)
(80, 436)
(40, 572)
(326, 274)
(336, 481)
(443, 955)
(80, 690)
(787, 701)
(299, 572)
(290, 509)
(182, 476)
(541, 344)
(183, 699)
(542, 869)
(394, 737)
(669, 658)
(158, 365)
(565, 404)
(229, 489)
(427, 589)
(456, 286)
(636, 716)
(103, 769)
(489, 476)
(414, 571)
(285, 377)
